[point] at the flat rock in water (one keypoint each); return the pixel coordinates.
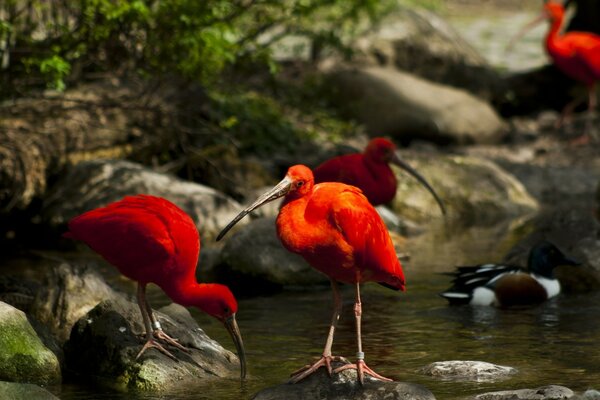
(255, 254)
(551, 392)
(104, 343)
(92, 184)
(24, 391)
(474, 190)
(344, 385)
(468, 370)
(23, 356)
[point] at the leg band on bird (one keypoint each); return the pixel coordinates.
(360, 355)
(156, 326)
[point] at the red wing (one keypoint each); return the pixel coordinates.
(364, 230)
(344, 169)
(129, 233)
(586, 47)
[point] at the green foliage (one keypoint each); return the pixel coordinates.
(194, 39)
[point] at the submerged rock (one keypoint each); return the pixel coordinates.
(104, 343)
(468, 370)
(551, 392)
(66, 294)
(255, 254)
(344, 385)
(474, 190)
(96, 183)
(400, 105)
(23, 356)
(22, 391)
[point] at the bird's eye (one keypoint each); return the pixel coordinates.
(299, 184)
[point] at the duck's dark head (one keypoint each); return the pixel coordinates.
(545, 256)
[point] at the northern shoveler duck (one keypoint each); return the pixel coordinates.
(508, 285)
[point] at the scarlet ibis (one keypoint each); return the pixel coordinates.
(577, 54)
(370, 171)
(334, 227)
(151, 240)
(509, 285)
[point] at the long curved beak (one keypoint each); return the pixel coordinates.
(236, 336)
(400, 163)
(529, 26)
(280, 190)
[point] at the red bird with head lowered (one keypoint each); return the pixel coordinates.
(370, 171)
(335, 228)
(151, 240)
(577, 54)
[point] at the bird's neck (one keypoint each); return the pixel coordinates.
(554, 32)
(188, 292)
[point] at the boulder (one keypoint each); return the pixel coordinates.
(23, 391)
(403, 106)
(92, 184)
(66, 294)
(23, 356)
(550, 392)
(104, 343)
(421, 42)
(344, 385)
(479, 371)
(255, 256)
(474, 190)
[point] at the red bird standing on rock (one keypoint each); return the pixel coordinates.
(577, 54)
(151, 240)
(370, 171)
(337, 231)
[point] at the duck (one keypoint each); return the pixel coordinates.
(503, 285)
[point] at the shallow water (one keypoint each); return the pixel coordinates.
(555, 343)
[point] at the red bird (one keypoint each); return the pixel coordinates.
(335, 228)
(370, 171)
(151, 240)
(577, 54)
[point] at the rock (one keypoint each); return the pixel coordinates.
(577, 233)
(255, 256)
(96, 183)
(23, 356)
(591, 394)
(422, 43)
(478, 371)
(23, 391)
(104, 343)
(344, 385)
(400, 105)
(66, 294)
(474, 190)
(551, 392)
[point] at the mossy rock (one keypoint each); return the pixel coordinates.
(24, 391)
(23, 356)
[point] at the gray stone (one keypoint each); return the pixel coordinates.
(96, 183)
(403, 106)
(478, 371)
(104, 343)
(551, 392)
(24, 391)
(23, 356)
(344, 385)
(422, 43)
(255, 253)
(591, 394)
(474, 190)
(66, 294)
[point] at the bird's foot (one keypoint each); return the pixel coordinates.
(361, 369)
(160, 334)
(324, 361)
(151, 343)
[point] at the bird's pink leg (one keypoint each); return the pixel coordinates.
(158, 331)
(589, 132)
(326, 358)
(360, 366)
(567, 111)
(150, 342)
